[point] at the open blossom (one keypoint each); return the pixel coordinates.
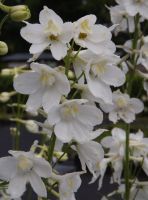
(22, 168)
(123, 107)
(74, 120)
(120, 17)
(134, 7)
(68, 184)
(96, 38)
(44, 85)
(51, 33)
(101, 72)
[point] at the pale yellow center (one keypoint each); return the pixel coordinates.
(46, 78)
(121, 102)
(85, 27)
(69, 111)
(24, 163)
(98, 68)
(70, 183)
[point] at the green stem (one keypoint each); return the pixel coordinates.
(51, 147)
(4, 8)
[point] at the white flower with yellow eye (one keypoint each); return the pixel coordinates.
(44, 85)
(96, 38)
(51, 32)
(123, 107)
(74, 120)
(22, 168)
(101, 72)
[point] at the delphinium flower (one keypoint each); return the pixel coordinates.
(68, 184)
(74, 120)
(51, 33)
(120, 17)
(95, 37)
(134, 7)
(22, 168)
(101, 72)
(123, 107)
(44, 85)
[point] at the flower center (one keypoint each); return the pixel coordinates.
(70, 183)
(99, 68)
(85, 27)
(139, 1)
(47, 79)
(24, 163)
(52, 28)
(69, 111)
(121, 102)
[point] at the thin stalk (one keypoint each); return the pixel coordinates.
(51, 147)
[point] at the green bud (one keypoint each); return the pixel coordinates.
(3, 48)
(19, 13)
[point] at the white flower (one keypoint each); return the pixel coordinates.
(145, 85)
(44, 85)
(68, 185)
(22, 168)
(96, 38)
(134, 7)
(51, 32)
(123, 107)
(74, 120)
(90, 153)
(31, 126)
(101, 72)
(120, 16)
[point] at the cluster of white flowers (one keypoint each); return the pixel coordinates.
(73, 108)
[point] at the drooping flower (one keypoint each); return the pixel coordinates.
(134, 7)
(44, 85)
(96, 38)
(51, 33)
(22, 168)
(68, 184)
(123, 107)
(74, 120)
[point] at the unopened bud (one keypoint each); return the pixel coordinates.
(32, 126)
(19, 13)
(3, 48)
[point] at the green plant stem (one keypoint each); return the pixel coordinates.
(4, 8)
(51, 147)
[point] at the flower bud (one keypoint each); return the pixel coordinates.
(3, 48)
(19, 13)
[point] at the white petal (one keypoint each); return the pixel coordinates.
(68, 31)
(42, 167)
(62, 84)
(113, 76)
(90, 115)
(113, 116)
(50, 98)
(100, 33)
(17, 186)
(47, 14)
(136, 105)
(100, 90)
(62, 132)
(38, 48)
(58, 50)
(27, 83)
(127, 116)
(37, 184)
(34, 101)
(54, 115)
(107, 142)
(7, 168)
(33, 33)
